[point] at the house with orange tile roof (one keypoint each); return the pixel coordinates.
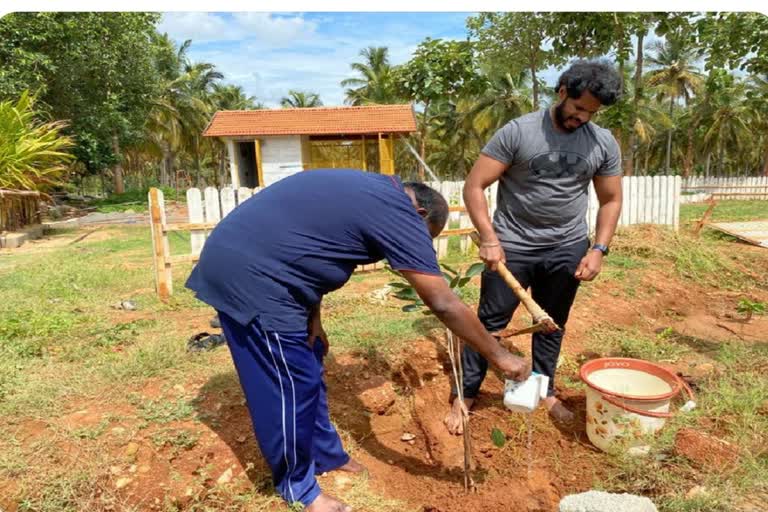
(267, 145)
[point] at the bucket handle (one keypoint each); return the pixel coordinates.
(613, 401)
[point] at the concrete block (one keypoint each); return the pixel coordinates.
(12, 240)
(598, 501)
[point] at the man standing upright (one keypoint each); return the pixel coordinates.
(544, 162)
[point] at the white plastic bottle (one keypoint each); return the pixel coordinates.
(525, 396)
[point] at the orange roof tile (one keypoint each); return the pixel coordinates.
(313, 121)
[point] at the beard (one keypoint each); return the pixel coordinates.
(560, 119)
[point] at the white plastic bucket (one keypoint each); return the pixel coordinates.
(627, 400)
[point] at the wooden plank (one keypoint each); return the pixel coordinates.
(212, 208)
(754, 232)
(184, 258)
(493, 198)
(189, 226)
(730, 187)
(456, 232)
(676, 204)
(635, 200)
(656, 199)
(160, 248)
(593, 206)
(648, 201)
(195, 216)
(243, 193)
(624, 217)
(461, 208)
(227, 201)
(669, 218)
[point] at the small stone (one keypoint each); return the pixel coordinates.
(411, 442)
(144, 468)
(225, 477)
(131, 450)
(407, 437)
(128, 305)
(132, 469)
(241, 439)
(122, 482)
(179, 388)
(695, 492)
(342, 481)
(189, 492)
(118, 431)
(115, 470)
(390, 461)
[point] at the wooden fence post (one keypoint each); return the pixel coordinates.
(160, 247)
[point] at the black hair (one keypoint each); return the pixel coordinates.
(433, 202)
(598, 77)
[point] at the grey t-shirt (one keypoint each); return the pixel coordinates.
(542, 198)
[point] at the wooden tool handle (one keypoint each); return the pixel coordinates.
(534, 309)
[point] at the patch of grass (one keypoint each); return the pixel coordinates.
(725, 211)
(619, 342)
(164, 411)
(92, 432)
(175, 438)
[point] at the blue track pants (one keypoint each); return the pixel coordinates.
(282, 379)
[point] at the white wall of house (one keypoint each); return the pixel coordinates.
(281, 157)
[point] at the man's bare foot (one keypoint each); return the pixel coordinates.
(352, 467)
(325, 503)
(453, 420)
(558, 412)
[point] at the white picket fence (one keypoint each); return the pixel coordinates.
(647, 200)
(700, 188)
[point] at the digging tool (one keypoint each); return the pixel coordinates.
(541, 320)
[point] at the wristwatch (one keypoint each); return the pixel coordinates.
(602, 248)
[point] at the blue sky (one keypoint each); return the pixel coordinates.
(269, 53)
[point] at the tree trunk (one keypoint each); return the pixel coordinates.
(688, 162)
(720, 153)
(765, 164)
(709, 161)
(629, 163)
(164, 167)
(118, 172)
(535, 86)
(669, 135)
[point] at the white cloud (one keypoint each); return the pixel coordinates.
(268, 54)
(268, 28)
(198, 26)
(271, 29)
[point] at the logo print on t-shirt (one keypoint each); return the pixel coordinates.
(558, 164)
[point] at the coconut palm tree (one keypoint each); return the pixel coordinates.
(33, 154)
(374, 84)
(728, 117)
(673, 76)
(505, 98)
(757, 93)
(301, 99)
